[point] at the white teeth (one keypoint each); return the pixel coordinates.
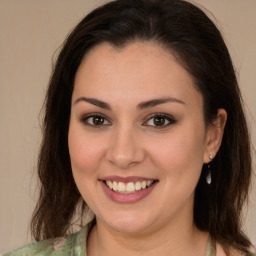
(121, 187)
(149, 182)
(143, 184)
(129, 187)
(115, 185)
(138, 185)
(109, 183)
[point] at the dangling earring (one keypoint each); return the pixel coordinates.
(209, 175)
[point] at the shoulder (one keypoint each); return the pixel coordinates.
(72, 245)
(43, 248)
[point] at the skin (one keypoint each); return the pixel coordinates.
(128, 143)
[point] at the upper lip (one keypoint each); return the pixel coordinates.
(126, 179)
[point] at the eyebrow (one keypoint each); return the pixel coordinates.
(142, 105)
(155, 102)
(95, 102)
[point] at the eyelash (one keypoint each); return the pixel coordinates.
(95, 115)
(168, 120)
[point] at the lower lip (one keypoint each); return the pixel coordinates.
(127, 198)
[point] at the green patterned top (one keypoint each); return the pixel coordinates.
(73, 245)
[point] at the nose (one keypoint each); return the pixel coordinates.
(125, 149)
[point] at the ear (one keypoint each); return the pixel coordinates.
(214, 135)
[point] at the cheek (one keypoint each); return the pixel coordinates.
(180, 155)
(85, 152)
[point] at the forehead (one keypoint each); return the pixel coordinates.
(137, 71)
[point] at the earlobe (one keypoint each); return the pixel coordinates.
(214, 135)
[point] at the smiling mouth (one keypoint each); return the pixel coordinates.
(130, 187)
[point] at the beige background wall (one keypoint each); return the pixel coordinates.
(30, 32)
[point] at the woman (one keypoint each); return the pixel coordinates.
(144, 124)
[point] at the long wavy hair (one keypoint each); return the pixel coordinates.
(184, 30)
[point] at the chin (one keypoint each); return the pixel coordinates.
(128, 223)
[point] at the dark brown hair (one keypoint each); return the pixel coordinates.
(194, 40)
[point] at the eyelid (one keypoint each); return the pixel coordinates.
(87, 116)
(171, 120)
(169, 117)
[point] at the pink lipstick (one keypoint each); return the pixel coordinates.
(127, 189)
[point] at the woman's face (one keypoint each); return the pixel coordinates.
(137, 137)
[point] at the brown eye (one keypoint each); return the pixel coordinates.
(98, 120)
(95, 120)
(159, 121)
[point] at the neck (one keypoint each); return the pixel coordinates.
(170, 240)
